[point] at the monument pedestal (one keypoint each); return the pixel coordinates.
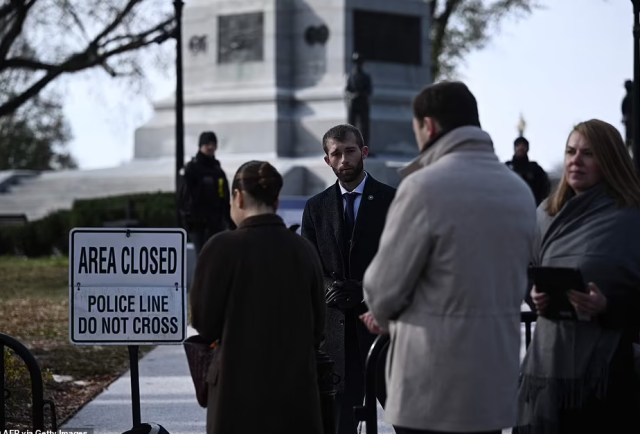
(269, 75)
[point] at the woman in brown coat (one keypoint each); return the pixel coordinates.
(259, 291)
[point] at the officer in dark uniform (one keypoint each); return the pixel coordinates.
(530, 171)
(204, 194)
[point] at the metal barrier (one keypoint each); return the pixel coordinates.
(368, 413)
(37, 385)
(13, 219)
(327, 387)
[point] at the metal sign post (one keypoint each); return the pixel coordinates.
(127, 287)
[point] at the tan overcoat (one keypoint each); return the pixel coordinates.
(448, 282)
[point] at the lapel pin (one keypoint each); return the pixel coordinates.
(370, 197)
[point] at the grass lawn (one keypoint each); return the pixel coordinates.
(34, 308)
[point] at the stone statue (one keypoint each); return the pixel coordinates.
(359, 89)
(627, 110)
(522, 124)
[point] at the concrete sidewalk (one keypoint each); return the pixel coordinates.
(167, 397)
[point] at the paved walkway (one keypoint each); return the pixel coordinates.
(167, 397)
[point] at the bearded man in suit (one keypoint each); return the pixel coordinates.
(345, 223)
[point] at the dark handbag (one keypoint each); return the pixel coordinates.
(200, 355)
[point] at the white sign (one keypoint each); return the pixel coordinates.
(127, 286)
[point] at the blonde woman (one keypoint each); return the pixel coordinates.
(578, 376)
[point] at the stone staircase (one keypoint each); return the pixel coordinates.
(39, 195)
(36, 195)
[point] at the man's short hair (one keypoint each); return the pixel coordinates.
(522, 140)
(207, 137)
(450, 103)
(340, 133)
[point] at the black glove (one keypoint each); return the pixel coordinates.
(344, 294)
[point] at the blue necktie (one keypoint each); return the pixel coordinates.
(350, 216)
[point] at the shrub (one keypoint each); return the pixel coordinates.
(50, 235)
(17, 389)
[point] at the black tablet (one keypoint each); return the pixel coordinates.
(556, 282)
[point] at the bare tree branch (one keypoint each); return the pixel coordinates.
(15, 28)
(23, 63)
(123, 28)
(439, 25)
(117, 20)
(7, 8)
(87, 59)
(69, 7)
(36, 136)
(462, 26)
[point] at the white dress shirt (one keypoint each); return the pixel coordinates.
(358, 189)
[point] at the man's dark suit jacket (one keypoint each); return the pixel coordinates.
(323, 225)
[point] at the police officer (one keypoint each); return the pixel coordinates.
(204, 194)
(530, 171)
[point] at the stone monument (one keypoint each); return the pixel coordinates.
(269, 76)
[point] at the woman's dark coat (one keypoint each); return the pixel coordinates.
(260, 289)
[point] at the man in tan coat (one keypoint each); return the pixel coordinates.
(449, 276)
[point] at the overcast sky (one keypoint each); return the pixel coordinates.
(565, 64)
